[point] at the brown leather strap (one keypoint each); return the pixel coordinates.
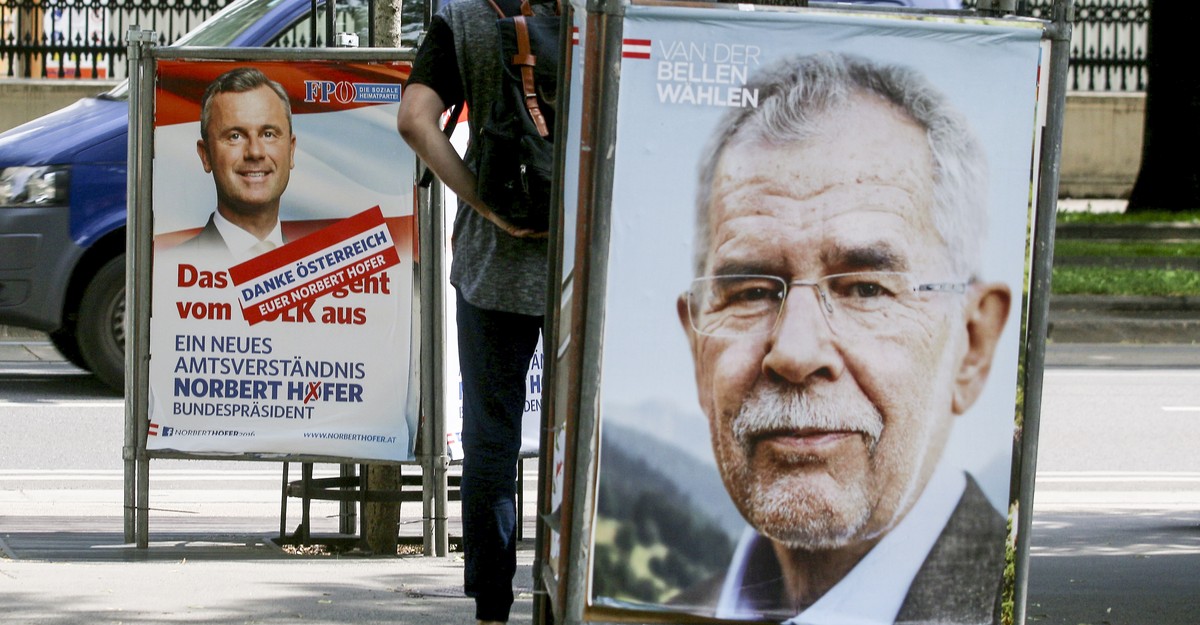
(496, 8)
(527, 60)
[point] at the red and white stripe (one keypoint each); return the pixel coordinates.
(635, 49)
(153, 429)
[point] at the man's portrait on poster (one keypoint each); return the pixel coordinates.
(838, 324)
(247, 144)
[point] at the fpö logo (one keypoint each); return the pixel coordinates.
(344, 92)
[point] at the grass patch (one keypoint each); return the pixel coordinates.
(1110, 281)
(1077, 247)
(1083, 217)
(1101, 280)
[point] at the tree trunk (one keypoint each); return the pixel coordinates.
(383, 519)
(1169, 178)
(387, 24)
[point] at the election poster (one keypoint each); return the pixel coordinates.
(283, 259)
(813, 308)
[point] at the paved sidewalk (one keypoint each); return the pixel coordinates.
(64, 560)
(218, 570)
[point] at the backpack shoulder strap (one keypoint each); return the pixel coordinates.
(526, 60)
(499, 12)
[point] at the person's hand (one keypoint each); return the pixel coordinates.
(510, 229)
(527, 233)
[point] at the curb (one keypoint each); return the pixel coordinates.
(8, 333)
(1127, 303)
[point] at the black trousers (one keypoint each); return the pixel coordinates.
(494, 351)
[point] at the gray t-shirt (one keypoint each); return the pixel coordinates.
(491, 269)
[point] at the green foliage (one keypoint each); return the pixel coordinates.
(654, 549)
(1119, 281)
(1009, 589)
(650, 540)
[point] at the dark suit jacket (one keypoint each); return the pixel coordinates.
(959, 583)
(207, 244)
(960, 580)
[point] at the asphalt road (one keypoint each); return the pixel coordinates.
(1116, 521)
(1117, 513)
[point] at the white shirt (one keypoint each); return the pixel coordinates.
(242, 244)
(874, 590)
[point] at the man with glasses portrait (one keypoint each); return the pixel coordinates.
(838, 325)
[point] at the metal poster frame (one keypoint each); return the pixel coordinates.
(431, 454)
(577, 298)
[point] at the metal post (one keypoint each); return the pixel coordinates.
(1039, 301)
(371, 25)
(129, 448)
(137, 278)
(283, 506)
(330, 25)
(306, 476)
(605, 21)
(434, 461)
(312, 24)
(347, 510)
(551, 333)
(436, 298)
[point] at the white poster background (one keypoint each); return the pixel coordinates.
(356, 346)
(531, 418)
(649, 402)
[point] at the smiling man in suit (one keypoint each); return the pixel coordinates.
(246, 143)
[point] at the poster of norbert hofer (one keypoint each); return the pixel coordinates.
(812, 315)
(282, 271)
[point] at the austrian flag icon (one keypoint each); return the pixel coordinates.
(635, 49)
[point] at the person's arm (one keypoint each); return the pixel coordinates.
(420, 111)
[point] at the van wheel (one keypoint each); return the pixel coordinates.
(101, 326)
(65, 342)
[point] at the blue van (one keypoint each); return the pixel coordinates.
(63, 182)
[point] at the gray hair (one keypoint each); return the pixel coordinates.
(240, 80)
(796, 92)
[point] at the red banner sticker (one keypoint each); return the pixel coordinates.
(298, 273)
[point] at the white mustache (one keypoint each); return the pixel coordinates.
(770, 408)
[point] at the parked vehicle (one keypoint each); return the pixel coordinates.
(63, 183)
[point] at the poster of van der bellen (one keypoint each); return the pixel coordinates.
(283, 261)
(812, 314)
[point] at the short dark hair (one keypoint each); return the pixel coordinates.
(240, 80)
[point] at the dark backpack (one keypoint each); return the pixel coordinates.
(516, 151)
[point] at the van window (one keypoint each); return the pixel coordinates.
(352, 16)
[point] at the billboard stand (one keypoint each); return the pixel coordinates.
(332, 373)
(138, 250)
(1058, 32)
(619, 532)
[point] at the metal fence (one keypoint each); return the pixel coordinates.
(85, 38)
(1108, 43)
